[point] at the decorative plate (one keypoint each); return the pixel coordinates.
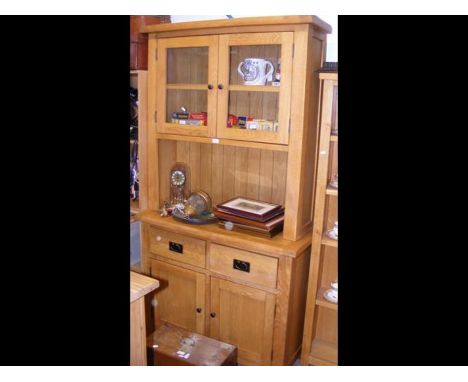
(199, 219)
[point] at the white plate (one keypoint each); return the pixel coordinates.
(331, 295)
(331, 234)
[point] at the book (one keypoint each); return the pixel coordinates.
(252, 230)
(267, 225)
(250, 208)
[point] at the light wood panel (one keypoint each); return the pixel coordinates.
(331, 212)
(333, 162)
(326, 325)
(243, 316)
(225, 172)
(323, 353)
(329, 242)
(328, 266)
(297, 301)
(181, 293)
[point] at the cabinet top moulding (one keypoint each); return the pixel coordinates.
(275, 21)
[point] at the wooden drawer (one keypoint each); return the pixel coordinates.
(177, 247)
(252, 267)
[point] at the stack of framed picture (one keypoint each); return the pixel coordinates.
(250, 216)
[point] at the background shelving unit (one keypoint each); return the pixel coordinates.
(319, 345)
(138, 80)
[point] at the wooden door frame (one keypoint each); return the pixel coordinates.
(286, 40)
(211, 42)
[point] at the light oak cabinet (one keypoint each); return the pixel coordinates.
(195, 66)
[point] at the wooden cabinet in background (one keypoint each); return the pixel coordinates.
(139, 41)
(138, 80)
(321, 321)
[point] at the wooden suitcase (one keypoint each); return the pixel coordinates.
(139, 42)
(173, 346)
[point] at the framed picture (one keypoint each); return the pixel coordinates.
(249, 207)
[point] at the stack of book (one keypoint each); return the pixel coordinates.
(250, 216)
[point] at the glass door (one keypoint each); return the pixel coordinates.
(254, 86)
(186, 85)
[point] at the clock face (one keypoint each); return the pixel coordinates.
(178, 178)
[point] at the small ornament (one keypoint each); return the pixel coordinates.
(333, 233)
(165, 210)
(334, 181)
(332, 294)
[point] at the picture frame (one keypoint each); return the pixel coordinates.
(249, 207)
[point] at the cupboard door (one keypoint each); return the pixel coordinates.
(186, 80)
(243, 316)
(249, 66)
(180, 297)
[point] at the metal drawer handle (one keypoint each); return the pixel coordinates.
(240, 265)
(176, 247)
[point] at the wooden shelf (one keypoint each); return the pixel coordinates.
(320, 300)
(227, 142)
(323, 353)
(333, 138)
(332, 191)
(254, 88)
(330, 242)
(187, 86)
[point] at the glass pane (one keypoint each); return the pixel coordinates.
(255, 65)
(187, 65)
(187, 107)
(253, 110)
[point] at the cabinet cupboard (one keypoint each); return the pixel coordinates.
(240, 135)
(181, 299)
(201, 74)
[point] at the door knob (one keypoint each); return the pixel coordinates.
(210, 86)
(213, 315)
(198, 310)
(220, 86)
